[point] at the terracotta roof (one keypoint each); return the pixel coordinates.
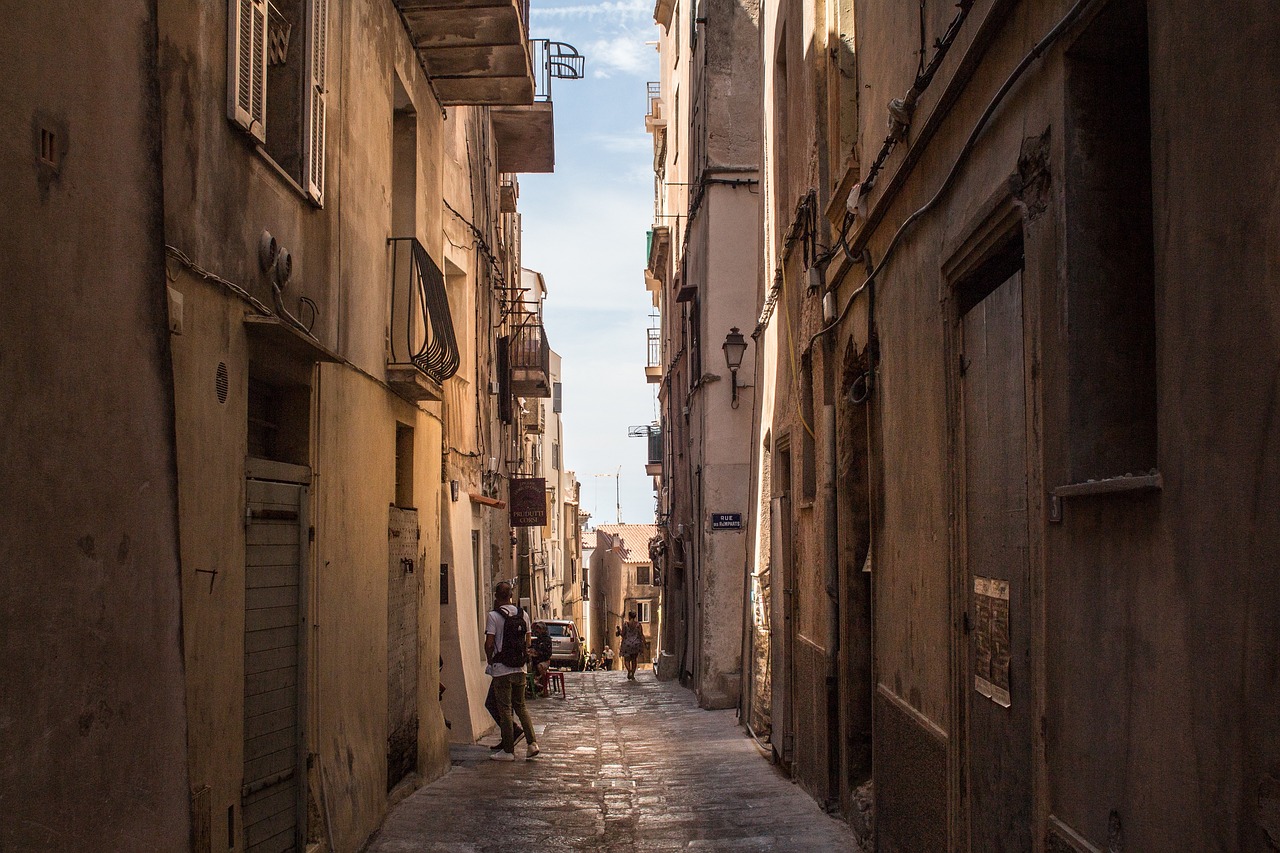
(635, 539)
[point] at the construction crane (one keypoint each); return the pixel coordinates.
(617, 481)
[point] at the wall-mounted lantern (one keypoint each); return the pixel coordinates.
(735, 347)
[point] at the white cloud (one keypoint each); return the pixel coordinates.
(613, 8)
(625, 53)
(624, 143)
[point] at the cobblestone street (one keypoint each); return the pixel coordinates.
(624, 766)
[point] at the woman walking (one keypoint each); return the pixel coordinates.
(632, 633)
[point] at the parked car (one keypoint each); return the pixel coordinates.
(566, 645)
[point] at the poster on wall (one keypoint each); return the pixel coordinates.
(528, 501)
(991, 639)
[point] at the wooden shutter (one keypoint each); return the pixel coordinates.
(247, 65)
(316, 94)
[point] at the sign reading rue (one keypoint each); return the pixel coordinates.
(726, 521)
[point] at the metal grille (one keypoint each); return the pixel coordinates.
(221, 382)
(422, 325)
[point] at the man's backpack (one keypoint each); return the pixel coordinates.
(515, 639)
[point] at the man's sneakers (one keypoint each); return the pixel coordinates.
(515, 738)
(502, 755)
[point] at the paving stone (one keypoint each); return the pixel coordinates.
(625, 766)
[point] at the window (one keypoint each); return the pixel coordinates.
(643, 611)
(404, 465)
(404, 163)
(1111, 329)
(278, 424)
(808, 447)
(642, 575)
(276, 83)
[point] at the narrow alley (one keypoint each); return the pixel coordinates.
(624, 766)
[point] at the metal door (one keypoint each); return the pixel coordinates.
(998, 616)
(273, 785)
(404, 598)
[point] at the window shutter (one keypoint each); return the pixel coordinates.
(317, 94)
(247, 65)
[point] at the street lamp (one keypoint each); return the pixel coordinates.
(735, 347)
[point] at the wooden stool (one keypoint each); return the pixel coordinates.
(556, 682)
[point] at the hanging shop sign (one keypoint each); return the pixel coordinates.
(528, 501)
(726, 521)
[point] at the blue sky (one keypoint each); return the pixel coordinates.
(584, 230)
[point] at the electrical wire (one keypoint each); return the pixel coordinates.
(960, 161)
(182, 258)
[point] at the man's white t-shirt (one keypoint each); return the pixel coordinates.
(493, 625)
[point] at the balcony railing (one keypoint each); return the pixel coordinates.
(525, 134)
(530, 359)
(654, 119)
(553, 60)
(422, 336)
(653, 368)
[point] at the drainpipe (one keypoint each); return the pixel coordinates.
(831, 561)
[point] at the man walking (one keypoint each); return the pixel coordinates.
(506, 646)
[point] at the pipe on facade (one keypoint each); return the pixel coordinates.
(831, 565)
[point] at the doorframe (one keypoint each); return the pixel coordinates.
(999, 219)
(269, 470)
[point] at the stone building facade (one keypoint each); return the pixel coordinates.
(1000, 517)
(622, 581)
(702, 272)
(291, 362)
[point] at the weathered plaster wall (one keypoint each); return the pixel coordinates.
(732, 223)
(221, 194)
(91, 708)
(355, 463)
(462, 627)
(1173, 595)
(211, 497)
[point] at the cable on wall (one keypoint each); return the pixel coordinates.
(961, 159)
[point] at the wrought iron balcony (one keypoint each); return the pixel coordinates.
(654, 465)
(525, 135)
(655, 117)
(653, 369)
(653, 434)
(476, 51)
(529, 356)
(423, 348)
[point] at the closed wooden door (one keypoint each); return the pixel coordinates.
(404, 599)
(273, 784)
(998, 617)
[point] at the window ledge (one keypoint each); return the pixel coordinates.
(1152, 482)
(284, 176)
